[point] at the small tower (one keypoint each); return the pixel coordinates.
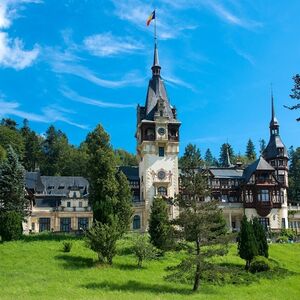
(157, 138)
(277, 156)
(276, 153)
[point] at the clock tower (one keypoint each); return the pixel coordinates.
(157, 138)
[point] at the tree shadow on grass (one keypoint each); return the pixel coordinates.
(135, 286)
(75, 262)
(127, 267)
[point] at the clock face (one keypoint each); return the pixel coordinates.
(161, 131)
(161, 174)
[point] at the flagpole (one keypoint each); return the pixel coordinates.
(155, 37)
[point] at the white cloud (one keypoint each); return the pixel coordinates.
(50, 114)
(12, 52)
(68, 93)
(106, 44)
(85, 73)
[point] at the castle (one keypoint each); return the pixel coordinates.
(257, 190)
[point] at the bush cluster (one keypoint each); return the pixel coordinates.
(260, 264)
(67, 246)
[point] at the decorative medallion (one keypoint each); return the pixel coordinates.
(161, 131)
(161, 175)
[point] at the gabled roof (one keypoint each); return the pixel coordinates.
(33, 182)
(259, 165)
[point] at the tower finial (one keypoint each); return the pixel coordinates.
(274, 125)
(155, 67)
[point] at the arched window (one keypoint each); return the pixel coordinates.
(136, 224)
(162, 191)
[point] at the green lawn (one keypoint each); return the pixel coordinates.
(39, 269)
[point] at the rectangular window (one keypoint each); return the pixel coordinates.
(33, 226)
(265, 222)
(283, 223)
(80, 204)
(68, 204)
(83, 223)
(65, 224)
(161, 151)
(44, 224)
(263, 196)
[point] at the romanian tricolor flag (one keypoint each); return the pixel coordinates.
(150, 18)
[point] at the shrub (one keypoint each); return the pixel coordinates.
(260, 264)
(143, 249)
(282, 239)
(10, 226)
(289, 233)
(67, 246)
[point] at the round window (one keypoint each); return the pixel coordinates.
(161, 131)
(161, 174)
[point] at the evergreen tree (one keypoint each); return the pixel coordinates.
(226, 148)
(123, 208)
(294, 176)
(209, 159)
(12, 195)
(32, 147)
(9, 123)
(262, 146)
(295, 93)
(2, 153)
(247, 245)
(192, 157)
(250, 151)
(160, 229)
(199, 222)
(101, 175)
(261, 238)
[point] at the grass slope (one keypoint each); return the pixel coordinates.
(40, 270)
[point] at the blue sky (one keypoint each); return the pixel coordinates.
(79, 63)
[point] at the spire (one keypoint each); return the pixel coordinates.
(155, 67)
(274, 125)
(228, 162)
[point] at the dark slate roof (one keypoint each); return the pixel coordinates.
(259, 165)
(156, 90)
(132, 173)
(33, 182)
(60, 185)
(271, 150)
(226, 173)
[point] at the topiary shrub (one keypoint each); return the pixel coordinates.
(282, 239)
(289, 233)
(260, 264)
(67, 246)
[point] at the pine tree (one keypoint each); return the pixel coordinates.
(13, 203)
(123, 209)
(32, 147)
(208, 158)
(226, 148)
(247, 245)
(262, 146)
(295, 93)
(261, 238)
(160, 229)
(294, 176)
(250, 151)
(192, 157)
(199, 222)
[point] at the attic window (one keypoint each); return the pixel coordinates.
(81, 187)
(50, 187)
(61, 187)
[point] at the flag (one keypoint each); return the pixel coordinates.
(150, 18)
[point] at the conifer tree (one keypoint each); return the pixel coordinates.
(226, 148)
(262, 146)
(295, 93)
(13, 203)
(247, 245)
(261, 238)
(294, 176)
(208, 158)
(250, 151)
(199, 222)
(160, 229)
